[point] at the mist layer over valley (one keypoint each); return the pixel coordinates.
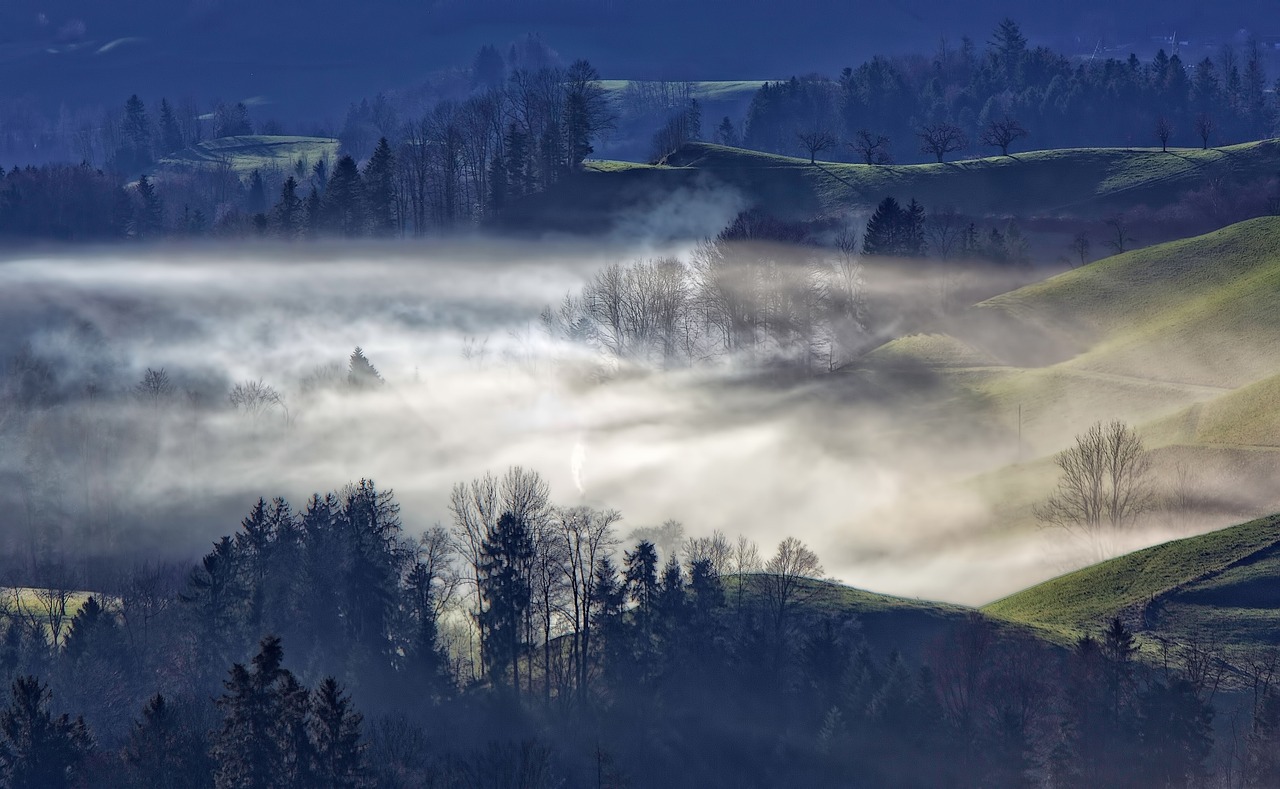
(120, 437)
(152, 396)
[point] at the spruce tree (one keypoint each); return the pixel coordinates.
(335, 737)
(883, 229)
(256, 201)
(150, 212)
(170, 130)
(379, 191)
(37, 750)
(344, 211)
(361, 374)
(505, 589)
(167, 748)
(287, 216)
(253, 748)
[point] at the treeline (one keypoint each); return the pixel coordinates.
(522, 645)
(458, 163)
(973, 97)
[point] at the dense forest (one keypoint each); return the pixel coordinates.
(525, 642)
(516, 123)
(525, 645)
(894, 108)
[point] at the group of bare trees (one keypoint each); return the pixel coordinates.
(800, 304)
(533, 612)
(1105, 484)
(463, 160)
(938, 140)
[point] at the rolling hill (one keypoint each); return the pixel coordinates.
(1140, 336)
(1087, 183)
(1181, 340)
(253, 152)
(1223, 586)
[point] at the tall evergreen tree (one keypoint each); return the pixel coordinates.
(335, 735)
(167, 749)
(251, 748)
(37, 750)
(288, 216)
(379, 190)
(344, 211)
(505, 588)
(361, 374)
(170, 130)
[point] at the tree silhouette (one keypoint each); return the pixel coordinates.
(940, 139)
(361, 374)
(1002, 133)
(37, 750)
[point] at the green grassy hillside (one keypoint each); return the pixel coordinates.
(1223, 585)
(1181, 340)
(1088, 183)
(1140, 336)
(255, 152)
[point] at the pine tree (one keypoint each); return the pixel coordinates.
(287, 216)
(92, 631)
(167, 749)
(313, 214)
(344, 211)
(37, 750)
(150, 217)
(379, 191)
(727, 134)
(882, 234)
(256, 201)
(335, 736)
(251, 749)
(361, 374)
(518, 180)
(505, 589)
(170, 130)
(912, 233)
(135, 153)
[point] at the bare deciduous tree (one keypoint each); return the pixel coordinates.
(790, 579)
(814, 141)
(944, 230)
(588, 536)
(1164, 130)
(1002, 133)
(871, 149)
(714, 549)
(254, 399)
(1080, 246)
(1205, 128)
(155, 388)
(1104, 486)
(1120, 240)
(940, 139)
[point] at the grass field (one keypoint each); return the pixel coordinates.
(1223, 585)
(257, 152)
(1086, 183)
(1181, 340)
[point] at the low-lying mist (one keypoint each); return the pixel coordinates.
(119, 438)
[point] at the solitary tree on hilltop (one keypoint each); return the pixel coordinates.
(940, 139)
(1164, 130)
(815, 141)
(1204, 128)
(873, 149)
(1002, 133)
